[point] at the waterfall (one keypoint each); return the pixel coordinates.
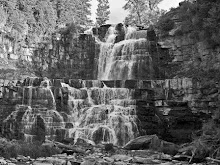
(93, 110)
(102, 114)
(127, 59)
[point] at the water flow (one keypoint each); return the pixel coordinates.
(127, 59)
(95, 111)
(102, 114)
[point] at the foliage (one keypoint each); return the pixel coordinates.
(3, 17)
(9, 149)
(142, 12)
(69, 11)
(206, 141)
(166, 24)
(103, 12)
(200, 19)
(28, 24)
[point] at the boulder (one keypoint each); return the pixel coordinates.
(141, 160)
(89, 162)
(143, 142)
(169, 148)
(120, 157)
(152, 142)
(41, 163)
(84, 142)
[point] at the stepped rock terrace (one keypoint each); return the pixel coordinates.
(113, 111)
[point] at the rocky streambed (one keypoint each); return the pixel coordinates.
(147, 157)
(147, 150)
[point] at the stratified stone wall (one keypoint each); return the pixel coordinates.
(190, 56)
(69, 55)
(171, 108)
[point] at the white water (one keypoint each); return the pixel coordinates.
(104, 115)
(121, 61)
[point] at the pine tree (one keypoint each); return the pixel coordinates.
(103, 12)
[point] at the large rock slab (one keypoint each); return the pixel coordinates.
(143, 142)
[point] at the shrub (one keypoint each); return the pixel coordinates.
(9, 149)
(201, 18)
(166, 24)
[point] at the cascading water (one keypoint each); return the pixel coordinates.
(37, 117)
(127, 59)
(92, 111)
(96, 114)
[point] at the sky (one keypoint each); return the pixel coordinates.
(118, 14)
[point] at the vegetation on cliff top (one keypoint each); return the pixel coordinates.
(200, 19)
(103, 12)
(29, 22)
(142, 12)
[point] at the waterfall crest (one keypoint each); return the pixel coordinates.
(126, 59)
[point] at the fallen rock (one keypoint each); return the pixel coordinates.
(152, 142)
(168, 147)
(109, 147)
(11, 164)
(89, 162)
(56, 161)
(41, 163)
(108, 159)
(3, 161)
(121, 157)
(141, 160)
(120, 163)
(143, 142)
(84, 142)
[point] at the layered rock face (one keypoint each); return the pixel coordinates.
(190, 57)
(113, 111)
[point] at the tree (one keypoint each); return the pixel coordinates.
(3, 17)
(142, 12)
(28, 24)
(103, 11)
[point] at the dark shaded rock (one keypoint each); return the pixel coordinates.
(76, 83)
(152, 142)
(169, 148)
(143, 142)
(39, 129)
(60, 134)
(110, 83)
(101, 31)
(131, 84)
(144, 94)
(109, 147)
(173, 103)
(69, 125)
(57, 82)
(68, 152)
(68, 141)
(120, 32)
(151, 35)
(84, 142)
(146, 84)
